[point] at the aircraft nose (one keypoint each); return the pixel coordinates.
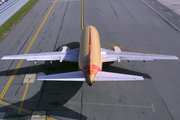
(90, 79)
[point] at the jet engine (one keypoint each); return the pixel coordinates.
(64, 48)
(115, 48)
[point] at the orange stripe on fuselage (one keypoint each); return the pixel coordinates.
(90, 71)
(90, 50)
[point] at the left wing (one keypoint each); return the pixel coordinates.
(70, 55)
(109, 56)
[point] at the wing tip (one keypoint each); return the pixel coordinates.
(4, 58)
(110, 76)
(175, 58)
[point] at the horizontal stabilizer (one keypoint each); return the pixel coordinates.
(109, 76)
(69, 76)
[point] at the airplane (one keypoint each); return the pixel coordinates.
(90, 57)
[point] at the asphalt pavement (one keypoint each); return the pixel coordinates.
(130, 24)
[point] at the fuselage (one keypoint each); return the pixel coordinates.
(90, 53)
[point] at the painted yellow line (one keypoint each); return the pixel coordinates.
(32, 41)
(14, 107)
(128, 48)
(29, 78)
(24, 95)
(27, 50)
(82, 15)
(23, 110)
(10, 80)
(152, 106)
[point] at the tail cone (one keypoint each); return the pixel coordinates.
(90, 79)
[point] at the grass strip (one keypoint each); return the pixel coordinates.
(14, 19)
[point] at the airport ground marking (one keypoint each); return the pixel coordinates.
(10, 79)
(24, 95)
(27, 50)
(82, 14)
(120, 105)
(24, 110)
(161, 15)
(14, 107)
(153, 108)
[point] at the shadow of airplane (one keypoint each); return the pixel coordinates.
(52, 96)
(114, 69)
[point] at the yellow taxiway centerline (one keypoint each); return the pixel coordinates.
(82, 15)
(20, 62)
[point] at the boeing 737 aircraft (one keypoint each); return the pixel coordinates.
(90, 57)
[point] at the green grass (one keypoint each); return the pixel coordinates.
(13, 20)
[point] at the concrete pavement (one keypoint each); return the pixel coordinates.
(124, 23)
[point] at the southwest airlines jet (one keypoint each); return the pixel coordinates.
(90, 57)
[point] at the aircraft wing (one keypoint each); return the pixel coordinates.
(70, 55)
(109, 56)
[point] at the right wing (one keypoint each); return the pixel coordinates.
(70, 55)
(109, 56)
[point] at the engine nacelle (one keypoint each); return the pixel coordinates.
(103, 54)
(64, 48)
(116, 49)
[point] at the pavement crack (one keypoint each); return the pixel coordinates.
(61, 25)
(25, 41)
(38, 45)
(81, 104)
(167, 108)
(52, 18)
(18, 89)
(7, 72)
(114, 10)
(62, 5)
(35, 25)
(129, 13)
(46, 9)
(49, 31)
(42, 90)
